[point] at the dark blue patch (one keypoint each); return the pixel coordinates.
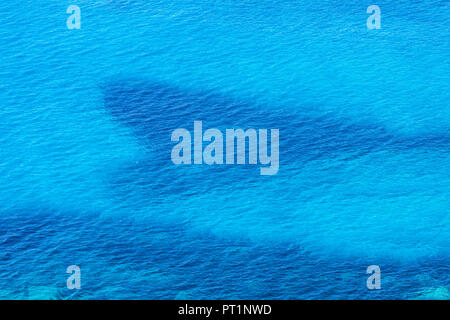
(155, 110)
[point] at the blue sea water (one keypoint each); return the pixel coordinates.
(86, 177)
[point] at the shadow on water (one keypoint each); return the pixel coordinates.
(120, 259)
(154, 110)
(159, 259)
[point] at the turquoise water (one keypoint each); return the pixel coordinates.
(85, 171)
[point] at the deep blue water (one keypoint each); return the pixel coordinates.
(86, 176)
